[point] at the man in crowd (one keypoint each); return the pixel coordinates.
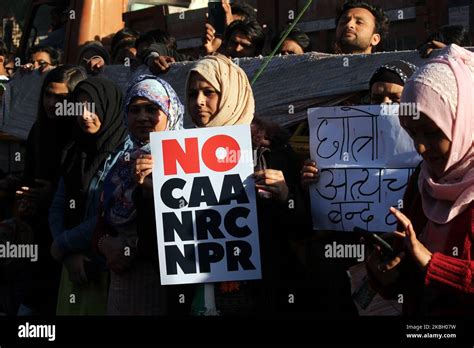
(244, 39)
(234, 12)
(360, 28)
(43, 59)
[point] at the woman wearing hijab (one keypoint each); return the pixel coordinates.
(151, 105)
(436, 228)
(93, 57)
(73, 214)
(47, 138)
(218, 93)
(386, 85)
(52, 130)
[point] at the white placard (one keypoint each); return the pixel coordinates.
(366, 160)
(207, 229)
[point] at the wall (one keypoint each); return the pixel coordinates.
(419, 19)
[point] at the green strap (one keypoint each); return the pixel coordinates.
(277, 48)
(198, 306)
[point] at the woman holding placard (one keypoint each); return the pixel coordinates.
(218, 93)
(123, 237)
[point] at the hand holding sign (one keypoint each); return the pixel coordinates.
(272, 181)
(309, 173)
(143, 168)
(364, 163)
(205, 209)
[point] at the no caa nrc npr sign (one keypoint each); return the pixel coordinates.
(206, 217)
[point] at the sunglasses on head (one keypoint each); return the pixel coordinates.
(42, 63)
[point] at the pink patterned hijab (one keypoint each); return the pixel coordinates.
(444, 91)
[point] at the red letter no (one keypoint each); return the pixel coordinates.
(229, 144)
(173, 153)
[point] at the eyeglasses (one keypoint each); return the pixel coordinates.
(42, 63)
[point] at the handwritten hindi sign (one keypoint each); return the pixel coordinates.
(205, 205)
(366, 160)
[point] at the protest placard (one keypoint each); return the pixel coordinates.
(366, 160)
(205, 205)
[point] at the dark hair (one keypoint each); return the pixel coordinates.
(97, 48)
(397, 71)
(157, 36)
(123, 34)
(382, 22)
(436, 36)
(54, 54)
(69, 74)
(297, 35)
(251, 29)
(451, 34)
(7, 58)
(244, 10)
(124, 44)
(277, 135)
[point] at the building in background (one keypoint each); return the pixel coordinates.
(10, 33)
(411, 20)
(12, 13)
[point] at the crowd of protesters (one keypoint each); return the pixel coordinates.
(86, 192)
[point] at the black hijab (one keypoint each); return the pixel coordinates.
(49, 136)
(397, 72)
(85, 156)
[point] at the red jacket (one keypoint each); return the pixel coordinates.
(447, 286)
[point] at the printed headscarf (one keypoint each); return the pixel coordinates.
(119, 185)
(159, 92)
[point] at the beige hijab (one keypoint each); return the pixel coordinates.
(237, 105)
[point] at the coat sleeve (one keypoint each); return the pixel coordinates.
(450, 272)
(453, 273)
(56, 211)
(74, 239)
(78, 238)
